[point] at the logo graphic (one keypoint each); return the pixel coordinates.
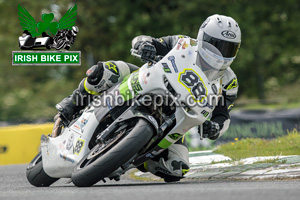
(232, 84)
(172, 59)
(229, 34)
(47, 34)
(204, 113)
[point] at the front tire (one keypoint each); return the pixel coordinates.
(89, 171)
(36, 175)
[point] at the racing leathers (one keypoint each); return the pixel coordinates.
(173, 163)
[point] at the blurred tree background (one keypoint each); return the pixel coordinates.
(267, 65)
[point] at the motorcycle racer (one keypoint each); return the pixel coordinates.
(221, 32)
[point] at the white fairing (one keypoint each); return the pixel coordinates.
(181, 60)
(61, 154)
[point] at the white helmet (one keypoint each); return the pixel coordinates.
(219, 39)
(75, 30)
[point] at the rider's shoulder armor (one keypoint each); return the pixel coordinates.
(229, 83)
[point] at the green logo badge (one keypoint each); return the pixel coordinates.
(28, 23)
(47, 34)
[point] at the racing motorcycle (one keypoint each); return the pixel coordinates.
(106, 141)
(63, 40)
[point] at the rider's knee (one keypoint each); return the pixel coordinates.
(104, 75)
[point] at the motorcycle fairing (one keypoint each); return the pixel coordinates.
(61, 154)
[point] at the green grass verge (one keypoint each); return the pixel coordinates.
(251, 147)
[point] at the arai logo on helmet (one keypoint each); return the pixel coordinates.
(229, 34)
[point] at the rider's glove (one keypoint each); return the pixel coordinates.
(70, 106)
(211, 130)
(148, 51)
(66, 109)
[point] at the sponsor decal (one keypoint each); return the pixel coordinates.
(179, 44)
(172, 59)
(83, 121)
(232, 84)
(166, 68)
(204, 113)
(76, 127)
(175, 136)
(193, 42)
(66, 158)
(111, 66)
(135, 83)
(228, 34)
(78, 146)
(185, 45)
(70, 142)
(47, 34)
(214, 89)
(108, 103)
(145, 78)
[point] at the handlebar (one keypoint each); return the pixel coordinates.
(137, 54)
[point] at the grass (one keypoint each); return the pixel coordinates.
(218, 162)
(252, 147)
(275, 160)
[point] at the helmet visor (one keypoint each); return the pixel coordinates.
(226, 48)
(211, 61)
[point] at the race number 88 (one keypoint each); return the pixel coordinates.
(78, 146)
(191, 80)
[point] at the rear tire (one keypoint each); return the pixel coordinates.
(88, 171)
(36, 175)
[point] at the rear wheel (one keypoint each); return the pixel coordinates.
(105, 159)
(36, 175)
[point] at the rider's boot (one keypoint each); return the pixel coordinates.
(172, 164)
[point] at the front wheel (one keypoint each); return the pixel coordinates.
(105, 159)
(36, 175)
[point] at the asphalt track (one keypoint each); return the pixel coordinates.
(13, 185)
